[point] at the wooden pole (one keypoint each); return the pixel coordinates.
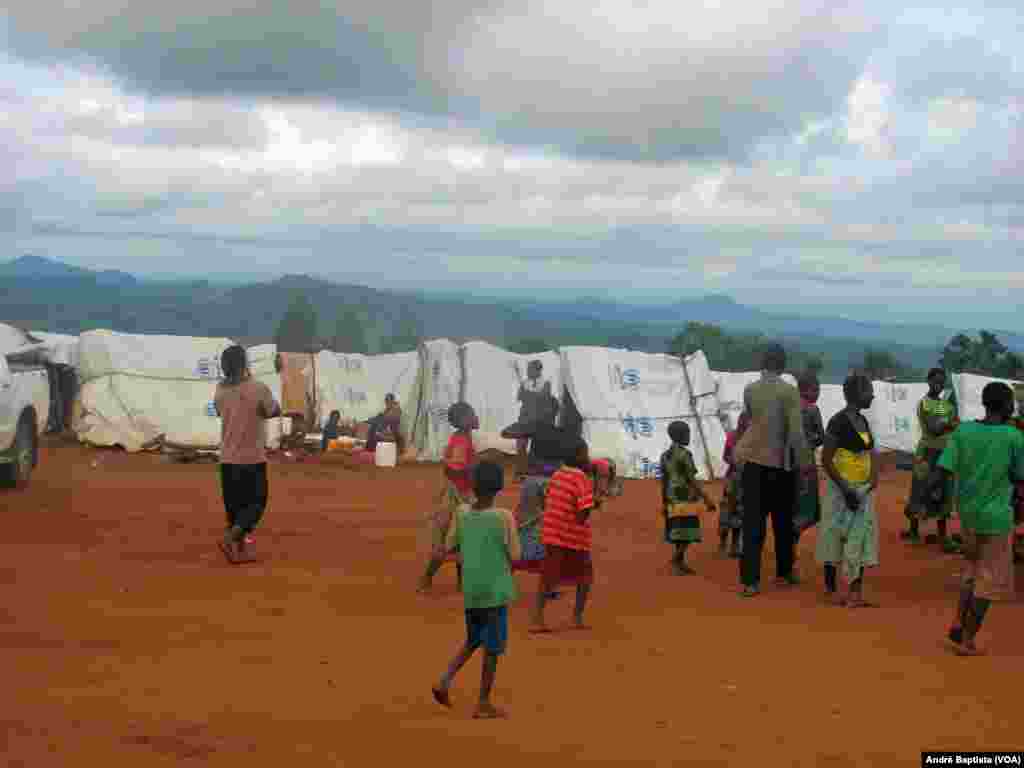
(696, 416)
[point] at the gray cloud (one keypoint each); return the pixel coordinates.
(652, 82)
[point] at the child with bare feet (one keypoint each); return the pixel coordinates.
(680, 492)
(488, 541)
(986, 457)
(459, 458)
(566, 535)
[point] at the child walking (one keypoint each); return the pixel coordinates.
(487, 541)
(680, 490)
(986, 457)
(244, 405)
(730, 517)
(566, 535)
(459, 459)
(849, 528)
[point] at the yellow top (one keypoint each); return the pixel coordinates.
(854, 467)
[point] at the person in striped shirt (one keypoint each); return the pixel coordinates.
(566, 535)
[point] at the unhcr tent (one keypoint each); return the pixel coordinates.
(136, 388)
(626, 401)
(439, 387)
(491, 386)
(968, 387)
(356, 385)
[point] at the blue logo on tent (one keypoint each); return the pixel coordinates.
(630, 378)
(638, 426)
(211, 409)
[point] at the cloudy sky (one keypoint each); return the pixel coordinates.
(805, 154)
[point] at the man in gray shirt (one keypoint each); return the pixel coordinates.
(772, 450)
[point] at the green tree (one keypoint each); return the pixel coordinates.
(529, 346)
(350, 332)
(881, 364)
(986, 355)
(814, 364)
(958, 354)
(406, 335)
(297, 331)
(724, 352)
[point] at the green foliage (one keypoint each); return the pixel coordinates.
(985, 355)
(350, 332)
(529, 346)
(297, 331)
(881, 364)
(725, 352)
(407, 333)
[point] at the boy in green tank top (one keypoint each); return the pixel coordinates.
(488, 540)
(986, 457)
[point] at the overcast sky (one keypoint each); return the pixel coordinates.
(794, 153)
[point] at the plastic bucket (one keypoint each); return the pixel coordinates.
(386, 455)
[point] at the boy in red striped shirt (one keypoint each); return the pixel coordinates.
(566, 536)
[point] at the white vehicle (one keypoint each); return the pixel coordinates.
(24, 406)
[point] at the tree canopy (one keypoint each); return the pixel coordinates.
(297, 331)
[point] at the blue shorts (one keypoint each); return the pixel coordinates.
(487, 627)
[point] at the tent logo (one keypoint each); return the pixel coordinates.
(637, 426)
(350, 364)
(208, 368)
(644, 468)
(625, 379)
(901, 424)
(211, 409)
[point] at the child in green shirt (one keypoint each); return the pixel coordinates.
(489, 543)
(986, 457)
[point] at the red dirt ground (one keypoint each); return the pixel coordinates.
(128, 641)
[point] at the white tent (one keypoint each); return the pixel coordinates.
(135, 388)
(491, 386)
(61, 349)
(730, 387)
(261, 365)
(356, 385)
(968, 388)
(627, 400)
(440, 381)
(56, 348)
(12, 339)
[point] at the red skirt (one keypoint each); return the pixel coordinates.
(563, 566)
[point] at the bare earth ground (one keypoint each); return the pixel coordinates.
(126, 640)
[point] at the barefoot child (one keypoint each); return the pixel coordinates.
(730, 517)
(244, 405)
(680, 490)
(487, 541)
(849, 526)
(986, 458)
(459, 458)
(566, 535)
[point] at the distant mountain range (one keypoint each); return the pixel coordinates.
(46, 295)
(39, 268)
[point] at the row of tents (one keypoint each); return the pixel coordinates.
(133, 389)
